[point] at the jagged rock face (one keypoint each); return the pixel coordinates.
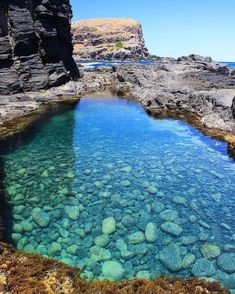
(35, 45)
(109, 39)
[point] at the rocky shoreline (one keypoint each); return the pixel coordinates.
(194, 89)
(197, 91)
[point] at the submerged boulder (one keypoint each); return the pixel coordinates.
(203, 268)
(112, 270)
(41, 218)
(170, 257)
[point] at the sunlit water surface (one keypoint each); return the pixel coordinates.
(119, 194)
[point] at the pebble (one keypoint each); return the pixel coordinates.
(99, 253)
(136, 238)
(121, 245)
(41, 218)
(102, 240)
(171, 258)
(226, 262)
(203, 268)
(172, 229)
(54, 249)
(151, 234)
(188, 240)
(125, 183)
(169, 215)
(112, 270)
(109, 225)
(152, 189)
(143, 275)
(188, 260)
(210, 251)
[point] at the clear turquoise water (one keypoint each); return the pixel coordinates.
(108, 159)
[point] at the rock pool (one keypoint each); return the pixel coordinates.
(107, 188)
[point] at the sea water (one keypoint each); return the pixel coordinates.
(111, 190)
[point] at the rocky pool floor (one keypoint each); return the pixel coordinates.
(107, 188)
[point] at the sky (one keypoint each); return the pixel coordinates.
(173, 27)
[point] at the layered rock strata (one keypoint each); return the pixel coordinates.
(109, 39)
(35, 45)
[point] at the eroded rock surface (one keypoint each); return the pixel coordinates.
(35, 45)
(109, 39)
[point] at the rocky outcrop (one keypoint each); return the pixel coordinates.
(35, 45)
(109, 39)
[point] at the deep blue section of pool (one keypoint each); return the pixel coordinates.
(119, 194)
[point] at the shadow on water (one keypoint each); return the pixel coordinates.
(6, 220)
(10, 145)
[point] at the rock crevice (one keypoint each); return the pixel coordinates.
(36, 45)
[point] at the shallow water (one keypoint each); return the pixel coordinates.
(106, 182)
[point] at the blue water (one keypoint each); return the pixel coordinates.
(230, 64)
(105, 186)
(91, 65)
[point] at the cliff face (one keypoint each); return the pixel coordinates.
(35, 44)
(109, 39)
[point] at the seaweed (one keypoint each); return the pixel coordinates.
(24, 273)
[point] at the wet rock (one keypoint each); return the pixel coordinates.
(102, 240)
(204, 224)
(121, 245)
(171, 258)
(157, 207)
(188, 240)
(128, 221)
(152, 189)
(54, 249)
(125, 183)
(171, 228)
(72, 212)
(112, 270)
(169, 215)
(143, 275)
(17, 228)
(210, 251)
(180, 200)
(203, 268)
(98, 253)
(136, 238)
(41, 218)
(126, 254)
(109, 225)
(188, 260)
(151, 234)
(226, 262)
(72, 249)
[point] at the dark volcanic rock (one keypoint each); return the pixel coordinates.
(35, 45)
(233, 107)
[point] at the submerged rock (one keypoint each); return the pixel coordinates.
(171, 258)
(210, 251)
(112, 270)
(54, 249)
(151, 234)
(143, 275)
(203, 268)
(169, 215)
(226, 262)
(99, 253)
(41, 218)
(136, 238)
(102, 240)
(109, 225)
(172, 229)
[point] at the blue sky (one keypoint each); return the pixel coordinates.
(173, 27)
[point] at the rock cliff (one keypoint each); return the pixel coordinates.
(109, 39)
(35, 45)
